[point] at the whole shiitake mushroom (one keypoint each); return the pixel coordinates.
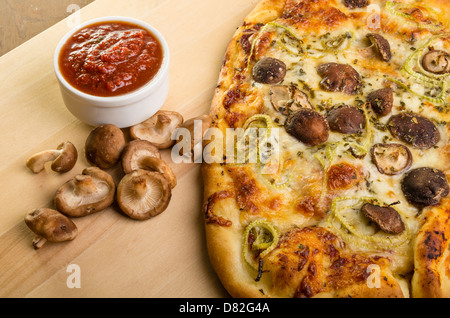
(307, 126)
(346, 120)
(414, 129)
(104, 146)
(425, 186)
(50, 225)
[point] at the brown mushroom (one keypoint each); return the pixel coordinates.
(143, 194)
(196, 132)
(149, 162)
(385, 217)
(287, 99)
(425, 186)
(63, 158)
(381, 45)
(414, 129)
(269, 70)
(339, 78)
(158, 129)
(391, 159)
(159, 165)
(346, 120)
(353, 4)
(50, 225)
(134, 151)
(308, 126)
(104, 146)
(86, 193)
(437, 62)
(381, 101)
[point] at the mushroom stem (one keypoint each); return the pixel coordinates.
(84, 185)
(161, 123)
(139, 187)
(36, 163)
(38, 242)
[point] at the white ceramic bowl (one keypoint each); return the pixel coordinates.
(123, 110)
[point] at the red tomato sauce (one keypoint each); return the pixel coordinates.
(110, 59)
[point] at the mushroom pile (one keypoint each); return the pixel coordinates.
(143, 191)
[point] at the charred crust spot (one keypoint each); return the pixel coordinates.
(340, 262)
(210, 217)
(433, 243)
(306, 206)
(313, 12)
(333, 16)
(342, 176)
(247, 190)
(303, 255)
(232, 96)
(304, 290)
(245, 42)
(247, 33)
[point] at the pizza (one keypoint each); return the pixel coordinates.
(339, 113)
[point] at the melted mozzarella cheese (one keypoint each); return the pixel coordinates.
(302, 72)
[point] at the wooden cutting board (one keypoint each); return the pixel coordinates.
(114, 255)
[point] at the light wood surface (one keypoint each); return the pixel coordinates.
(20, 20)
(117, 257)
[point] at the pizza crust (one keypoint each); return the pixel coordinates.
(265, 11)
(431, 254)
(224, 243)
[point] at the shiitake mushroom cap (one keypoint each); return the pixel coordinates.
(425, 186)
(436, 62)
(339, 78)
(391, 159)
(381, 101)
(346, 120)
(382, 46)
(307, 126)
(269, 70)
(414, 129)
(385, 217)
(104, 146)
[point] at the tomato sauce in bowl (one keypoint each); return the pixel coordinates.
(110, 58)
